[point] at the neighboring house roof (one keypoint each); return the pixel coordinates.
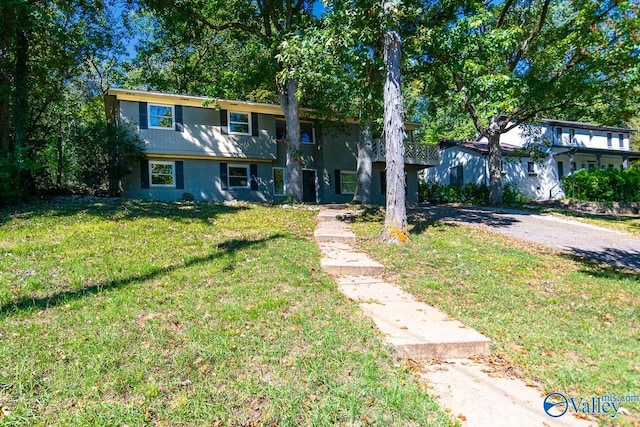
(203, 101)
(481, 147)
(631, 155)
(582, 125)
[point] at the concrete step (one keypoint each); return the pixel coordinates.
(340, 233)
(338, 259)
(413, 327)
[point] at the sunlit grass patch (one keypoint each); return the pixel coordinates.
(148, 313)
(568, 324)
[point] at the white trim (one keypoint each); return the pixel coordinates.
(284, 180)
(238, 165)
(173, 117)
(355, 175)
(173, 173)
(229, 113)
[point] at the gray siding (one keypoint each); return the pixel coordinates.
(335, 148)
(202, 180)
(202, 135)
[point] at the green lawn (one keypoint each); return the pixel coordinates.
(571, 326)
(132, 313)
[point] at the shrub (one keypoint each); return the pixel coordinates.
(477, 194)
(604, 185)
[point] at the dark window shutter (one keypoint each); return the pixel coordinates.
(253, 172)
(179, 120)
(337, 182)
(144, 173)
(318, 132)
(224, 176)
(254, 124)
(224, 127)
(383, 183)
(179, 174)
(144, 120)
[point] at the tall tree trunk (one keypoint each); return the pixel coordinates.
(60, 155)
(21, 102)
(395, 222)
(364, 167)
(290, 108)
(495, 163)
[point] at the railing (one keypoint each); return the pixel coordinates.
(414, 153)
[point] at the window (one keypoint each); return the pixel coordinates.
(572, 135)
(560, 169)
(307, 132)
(558, 135)
(591, 165)
(347, 182)
(239, 123)
(278, 181)
(609, 140)
(456, 175)
(621, 140)
(161, 116)
(238, 176)
(162, 174)
(531, 168)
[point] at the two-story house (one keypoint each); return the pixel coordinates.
(235, 150)
(565, 147)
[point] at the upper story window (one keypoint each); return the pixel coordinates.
(239, 123)
(162, 174)
(558, 135)
(161, 116)
(609, 140)
(307, 131)
(572, 136)
(621, 140)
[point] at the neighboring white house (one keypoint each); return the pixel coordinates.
(566, 146)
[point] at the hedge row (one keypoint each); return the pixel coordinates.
(604, 185)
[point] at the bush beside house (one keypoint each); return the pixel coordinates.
(604, 185)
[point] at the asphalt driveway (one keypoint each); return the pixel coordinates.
(584, 240)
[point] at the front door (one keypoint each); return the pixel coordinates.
(309, 186)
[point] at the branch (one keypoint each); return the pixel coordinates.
(272, 14)
(237, 25)
(467, 103)
(503, 14)
(534, 33)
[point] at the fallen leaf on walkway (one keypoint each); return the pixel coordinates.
(462, 417)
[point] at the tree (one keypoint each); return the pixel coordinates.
(268, 24)
(395, 222)
(507, 63)
(45, 49)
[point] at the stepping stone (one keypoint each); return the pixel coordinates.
(334, 234)
(413, 327)
(419, 330)
(338, 259)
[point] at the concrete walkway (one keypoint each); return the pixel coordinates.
(442, 346)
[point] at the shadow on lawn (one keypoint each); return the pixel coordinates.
(608, 263)
(116, 209)
(470, 214)
(42, 303)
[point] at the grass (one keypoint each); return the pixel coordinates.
(135, 313)
(569, 325)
